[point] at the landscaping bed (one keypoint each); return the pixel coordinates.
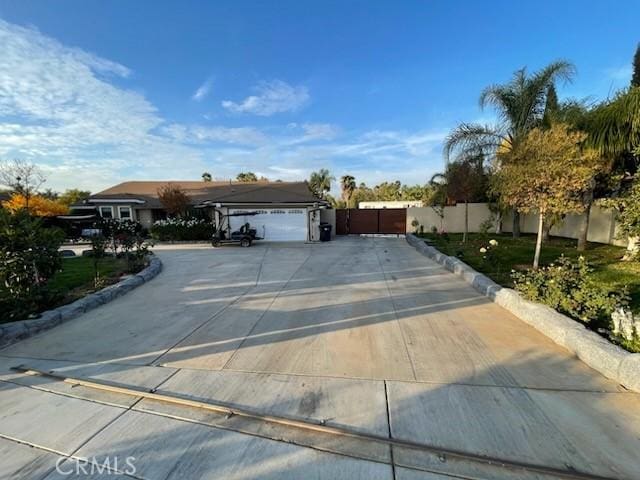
(76, 280)
(510, 254)
(517, 254)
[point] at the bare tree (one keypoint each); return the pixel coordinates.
(23, 177)
(173, 199)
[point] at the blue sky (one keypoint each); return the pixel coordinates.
(99, 92)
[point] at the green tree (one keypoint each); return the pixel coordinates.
(50, 194)
(465, 182)
(628, 216)
(546, 172)
(520, 105)
(614, 126)
(438, 183)
(320, 182)
(348, 185)
(73, 196)
(206, 177)
(246, 177)
(389, 191)
(635, 78)
(614, 131)
(29, 257)
(335, 202)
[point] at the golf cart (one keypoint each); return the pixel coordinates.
(245, 236)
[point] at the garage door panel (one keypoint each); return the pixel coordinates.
(277, 224)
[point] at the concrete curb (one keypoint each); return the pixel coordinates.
(601, 355)
(13, 331)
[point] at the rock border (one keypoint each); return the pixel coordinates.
(13, 331)
(601, 355)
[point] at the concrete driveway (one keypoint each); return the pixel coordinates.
(361, 333)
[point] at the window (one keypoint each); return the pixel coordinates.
(125, 213)
(277, 212)
(106, 212)
(296, 211)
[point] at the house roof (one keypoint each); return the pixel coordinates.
(214, 192)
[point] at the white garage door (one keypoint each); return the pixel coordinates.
(282, 225)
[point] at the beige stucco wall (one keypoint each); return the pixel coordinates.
(144, 217)
(602, 224)
(453, 217)
(329, 216)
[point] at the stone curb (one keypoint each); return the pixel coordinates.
(601, 355)
(14, 331)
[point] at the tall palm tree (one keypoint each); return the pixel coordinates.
(614, 126)
(320, 182)
(520, 105)
(348, 185)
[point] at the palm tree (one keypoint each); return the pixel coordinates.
(614, 131)
(614, 126)
(520, 105)
(320, 182)
(348, 185)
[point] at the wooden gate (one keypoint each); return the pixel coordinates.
(371, 220)
(342, 219)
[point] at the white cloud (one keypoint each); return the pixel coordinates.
(60, 108)
(320, 131)
(371, 157)
(198, 134)
(271, 97)
(203, 90)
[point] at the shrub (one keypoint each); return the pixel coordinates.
(126, 239)
(181, 229)
(28, 259)
(485, 227)
(569, 287)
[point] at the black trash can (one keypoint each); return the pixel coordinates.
(325, 232)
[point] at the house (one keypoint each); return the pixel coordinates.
(287, 211)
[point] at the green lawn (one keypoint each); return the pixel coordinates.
(76, 277)
(517, 253)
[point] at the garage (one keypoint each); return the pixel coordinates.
(274, 224)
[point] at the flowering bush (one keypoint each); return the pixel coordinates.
(626, 329)
(489, 254)
(125, 238)
(569, 287)
(177, 229)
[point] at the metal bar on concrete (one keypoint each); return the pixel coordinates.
(309, 424)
